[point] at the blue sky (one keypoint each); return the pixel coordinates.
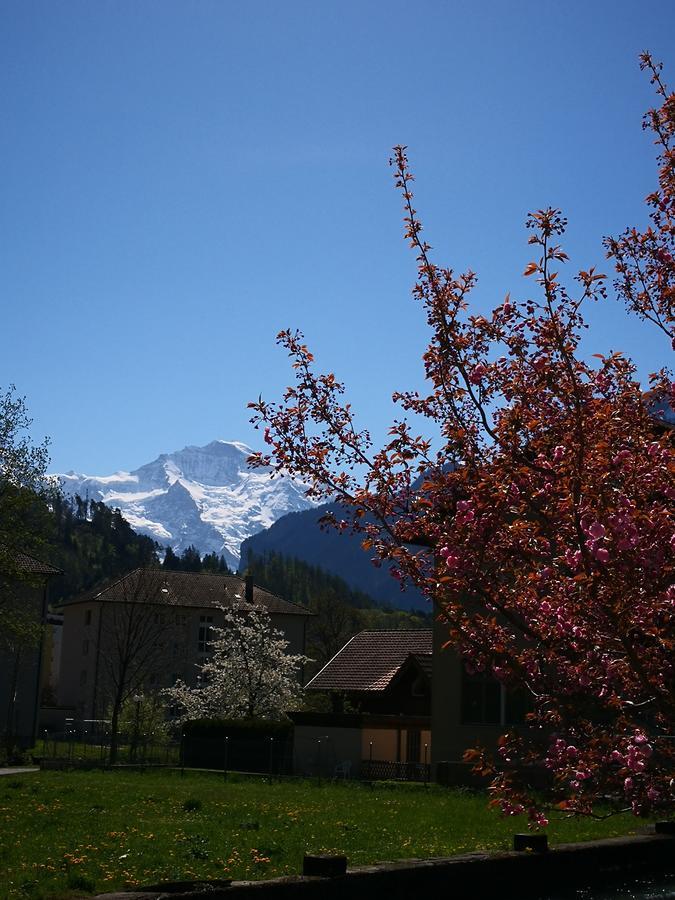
(182, 180)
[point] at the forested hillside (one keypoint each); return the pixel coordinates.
(92, 543)
(299, 535)
(340, 611)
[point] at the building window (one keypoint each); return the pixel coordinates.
(83, 677)
(85, 647)
(481, 699)
(204, 640)
(87, 617)
(487, 702)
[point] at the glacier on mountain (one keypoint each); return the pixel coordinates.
(204, 496)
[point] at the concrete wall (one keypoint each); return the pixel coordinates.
(77, 672)
(603, 865)
(451, 736)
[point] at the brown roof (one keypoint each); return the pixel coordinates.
(195, 589)
(371, 659)
(30, 565)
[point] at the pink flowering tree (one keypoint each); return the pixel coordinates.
(541, 526)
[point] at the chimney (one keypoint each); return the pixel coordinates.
(248, 595)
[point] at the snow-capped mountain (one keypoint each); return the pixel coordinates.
(204, 496)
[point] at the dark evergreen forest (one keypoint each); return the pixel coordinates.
(92, 544)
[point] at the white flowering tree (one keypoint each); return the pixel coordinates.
(249, 674)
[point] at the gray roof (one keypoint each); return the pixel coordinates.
(372, 659)
(30, 565)
(189, 589)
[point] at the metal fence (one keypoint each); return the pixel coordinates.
(77, 747)
(80, 747)
(385, 770)
(260, 754)
(86, 747)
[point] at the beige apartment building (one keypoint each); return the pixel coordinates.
(153, 627)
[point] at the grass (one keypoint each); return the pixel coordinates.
(69, 834)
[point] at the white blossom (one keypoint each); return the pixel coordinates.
(248, 675)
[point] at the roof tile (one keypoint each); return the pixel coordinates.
(194, 589)
(371, 659)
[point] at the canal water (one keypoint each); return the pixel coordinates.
(658, 889)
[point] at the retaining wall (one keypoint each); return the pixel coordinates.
(507, 875)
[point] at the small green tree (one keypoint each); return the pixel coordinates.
(25, 490)
(142, 720)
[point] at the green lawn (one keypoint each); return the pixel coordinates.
(68, 834)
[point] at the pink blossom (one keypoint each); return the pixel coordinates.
(597, 530)
(573, 558)
(476, 374)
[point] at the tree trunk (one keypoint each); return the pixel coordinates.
(114, 727)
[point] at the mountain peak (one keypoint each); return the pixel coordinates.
(206, 496)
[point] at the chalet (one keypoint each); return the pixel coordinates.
(379, 685)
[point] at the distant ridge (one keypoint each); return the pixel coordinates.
(298, 535)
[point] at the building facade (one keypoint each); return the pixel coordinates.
(153, 627)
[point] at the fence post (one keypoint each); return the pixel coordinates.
(227, 741)
(426, 765)
(182, 752)
(271, 754)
